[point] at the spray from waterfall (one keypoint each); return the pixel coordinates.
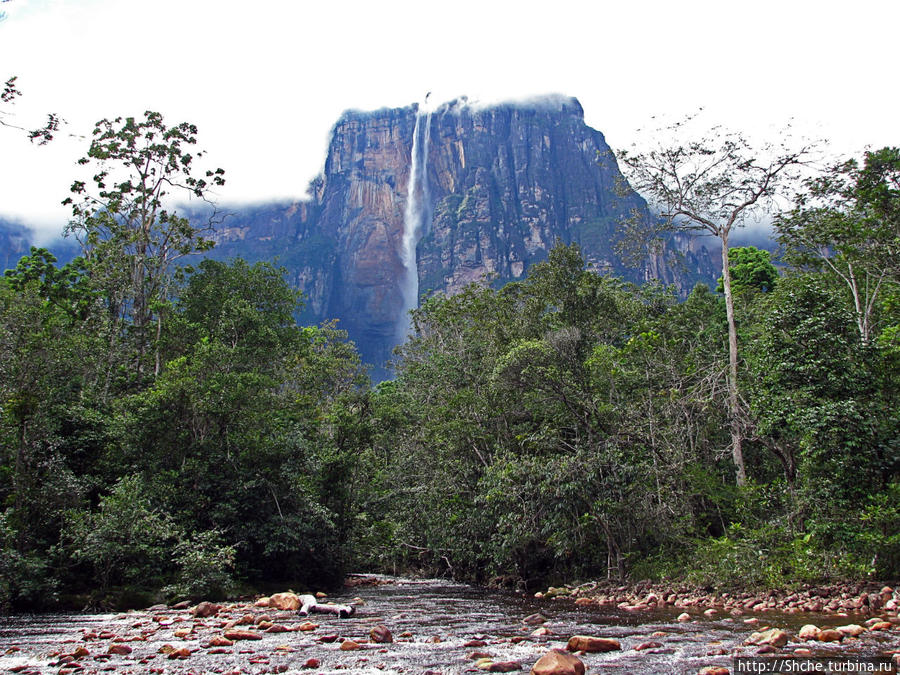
(416, 218)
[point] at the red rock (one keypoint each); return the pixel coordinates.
(475, 643)
(558, 662)
(312, 663)
(809, 632)
(262, 602)
(220, 641)
(242, 635)
(773, 636)
(182, 653)
(713, 670)
(119, 649)
(588, 643)
(276, 628)
(219, 650)
(684, 616)
(328, 638)
(246, 620)
(307, 625)
(830, 636)
(285, 601)
(349, 646)
(504, 667)
(479, 655)
(584, 602)
(380, 634)
(534, 619)
(881, 625)
(206, 609)
(543, 631)
(648, 645)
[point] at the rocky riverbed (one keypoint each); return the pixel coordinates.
(433, 626)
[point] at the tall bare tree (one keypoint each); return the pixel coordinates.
(714, 185)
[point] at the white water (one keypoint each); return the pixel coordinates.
(416, 219)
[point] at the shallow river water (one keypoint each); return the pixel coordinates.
(433, 622)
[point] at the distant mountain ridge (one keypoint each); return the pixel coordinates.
(413, 200)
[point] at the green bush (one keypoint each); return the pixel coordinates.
(204, 567)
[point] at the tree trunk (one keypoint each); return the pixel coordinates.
(734, 408)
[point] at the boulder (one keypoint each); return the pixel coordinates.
(851, 630)
(684, 616)
(242, 635)
(881, 625)
(830, 635)
(588, 643)
(380, 634)
(534, 619)
(205, 609)
(809, 632)
(349, 646)
(773, 636)
(558, 662)
(220, 641)
(285, 601)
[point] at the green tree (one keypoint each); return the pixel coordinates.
(848, 222)
(751, 268)
(124, 221)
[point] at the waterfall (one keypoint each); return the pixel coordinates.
(416, 219)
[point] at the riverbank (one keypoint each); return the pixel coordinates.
(865, 598)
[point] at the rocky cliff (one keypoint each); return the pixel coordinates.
(493, 188)
(14, 243)
(413, 201)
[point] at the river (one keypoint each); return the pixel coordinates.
(436, 626)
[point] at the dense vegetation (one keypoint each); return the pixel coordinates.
(170, 431)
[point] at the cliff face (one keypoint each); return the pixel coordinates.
(495, 187)
(14, 243)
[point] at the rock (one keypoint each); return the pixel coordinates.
(881, 625)
(713, 670)
(534, 619)
(830, 635)
(773, 636)
(320, 595)
(205, 609)
(558, 662)
(277, 628)
(809, 632)
(349, 646)
(285, 601)
(242, 635)
(262, 602)
(504, 667)
(543, 631)
(311, 663)
(307, 626)
(246, 620)
(380, 634)
(119, 649)
(711, 612)
(684, 616)
(182, 653)
(851, 630)
(220, 641)
(588, 643)
(184, 604)
(648, 645)
(475, 643)
(584, 602)
(474, 656)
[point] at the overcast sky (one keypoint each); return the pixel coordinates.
(264, 81)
